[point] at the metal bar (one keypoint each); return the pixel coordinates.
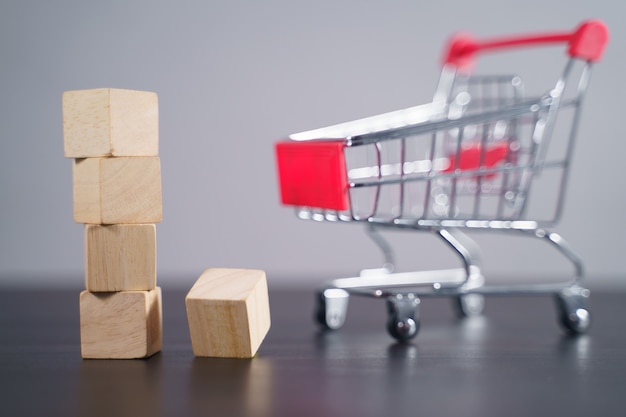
(582, 88)
(429, 183)
(448, 277)
(402, 182)
(377, 146)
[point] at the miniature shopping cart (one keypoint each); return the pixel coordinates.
(469, 160)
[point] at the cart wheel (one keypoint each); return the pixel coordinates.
(403, 322)
(332, 307)
(469, 305)
(572, 308)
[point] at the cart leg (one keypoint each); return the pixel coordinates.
(466, 305)
(572, 309)
(565, 249)
(403, 321)
(332, 308)
(571, 302)
(469, 305)
(383, 245)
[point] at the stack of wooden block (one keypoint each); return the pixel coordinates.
(112, 136)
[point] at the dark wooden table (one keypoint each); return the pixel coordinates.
(513, 361)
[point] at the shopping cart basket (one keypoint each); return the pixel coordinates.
(466, 161)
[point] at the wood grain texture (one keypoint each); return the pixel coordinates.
(110, 122)
(228, 313)
(124, 190)
(120, 325)
(120, 257)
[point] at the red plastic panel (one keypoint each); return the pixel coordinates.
(313, 174)
(470, 157)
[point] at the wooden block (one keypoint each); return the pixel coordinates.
(228, 313)
(120, 325)
(110, 122)
(120, 257)
(123, 190)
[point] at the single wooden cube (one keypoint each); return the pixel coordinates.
(110, 122)
(123, 190)
(228, 313)
(120, 257)
(120, 325)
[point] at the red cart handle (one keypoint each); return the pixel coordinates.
(586, 42)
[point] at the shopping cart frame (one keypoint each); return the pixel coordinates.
(465, 285)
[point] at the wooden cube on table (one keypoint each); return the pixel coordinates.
(120, 257)
(110, 122)
(228, 313)
(120, 325)
(117, 190)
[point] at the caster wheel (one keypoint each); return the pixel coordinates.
(332, 308)
(403, 330)
(403, 321)
(576, 322)
(572, 309)
(469, 305)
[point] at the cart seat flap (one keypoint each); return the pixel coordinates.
(313, 174)
(374, 124)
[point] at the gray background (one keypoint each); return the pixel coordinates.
(235, 76)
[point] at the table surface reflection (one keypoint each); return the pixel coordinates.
(513, 361)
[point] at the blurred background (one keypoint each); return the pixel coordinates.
(234, 77)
